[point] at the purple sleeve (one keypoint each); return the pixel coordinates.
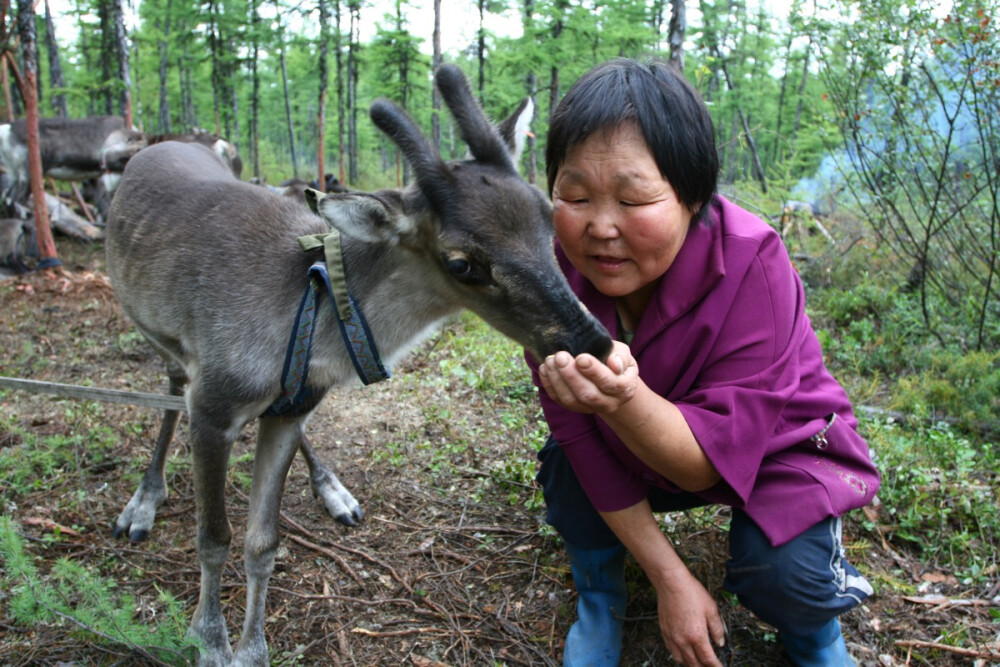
(754, 369)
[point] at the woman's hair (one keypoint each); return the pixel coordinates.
(669, 112)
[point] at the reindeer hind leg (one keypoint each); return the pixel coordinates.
(339, 502)
(212, 436)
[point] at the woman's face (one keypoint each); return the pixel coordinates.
(618, 220)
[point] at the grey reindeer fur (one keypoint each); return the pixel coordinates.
(209, 270)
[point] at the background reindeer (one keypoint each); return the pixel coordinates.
(210, 271)
(73, 149)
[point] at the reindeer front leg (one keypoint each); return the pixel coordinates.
(277, 442)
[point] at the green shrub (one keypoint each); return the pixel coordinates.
(868, 329)
(483, 359)
(939, 495)
(37, 459)
(963, 387)
(89, 605)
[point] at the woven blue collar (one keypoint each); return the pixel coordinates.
(353, 328)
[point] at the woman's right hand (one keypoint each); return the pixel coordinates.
(689, 620)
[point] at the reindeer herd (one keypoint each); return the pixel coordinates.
(259, 305)
(91, 152)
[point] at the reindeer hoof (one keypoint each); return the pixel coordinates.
(133, 536)
(351, 519)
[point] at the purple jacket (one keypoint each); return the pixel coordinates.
(726, 339)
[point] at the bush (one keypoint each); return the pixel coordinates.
(939, 496)
(868, 329)
(964, 387)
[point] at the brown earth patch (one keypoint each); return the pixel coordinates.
(452, 565)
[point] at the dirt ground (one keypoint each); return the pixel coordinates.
(445, 570)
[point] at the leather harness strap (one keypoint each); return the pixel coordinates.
(325, 276)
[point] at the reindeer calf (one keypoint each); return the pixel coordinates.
(211, 270)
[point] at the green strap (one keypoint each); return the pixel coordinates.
(330, 242)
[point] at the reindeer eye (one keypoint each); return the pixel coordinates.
(466, 271)
(460, 268)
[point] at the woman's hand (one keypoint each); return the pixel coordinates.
(584, 384)
(689, 620)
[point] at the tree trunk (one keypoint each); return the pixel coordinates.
(481, 51)
(324, 50)
(124, 71)
(26, 31)
(288, 102)
(776, 153)
(338, 60)
(255, 91)
(56, 83)
(557, 28)
(435, 63)
(758, 169)
(164, 111)
(531, 86)
(107, 52)
(678, 26)
(352, 91)
(188, 114)
(801, 90)
(5, 81)
(213, 46)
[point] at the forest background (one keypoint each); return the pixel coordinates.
(867, 132)
(887, 106)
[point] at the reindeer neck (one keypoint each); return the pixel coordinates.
(401, 294)
(401, 302)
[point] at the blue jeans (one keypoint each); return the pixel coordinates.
(797, 587)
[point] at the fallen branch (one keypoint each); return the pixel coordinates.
(399, 633)
(942, 601)
(967, 652)
(51, 526)
(329, 554)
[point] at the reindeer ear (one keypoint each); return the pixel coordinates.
(514, 131)
(370, 217)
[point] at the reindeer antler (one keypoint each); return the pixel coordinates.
(483, 139)
(399, 127)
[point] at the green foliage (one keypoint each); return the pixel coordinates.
(868, 329)
(483, 359)
(964, 387)
(514, 475)
(195, 66)
(74, 596)
(914, 92)
(940, 491)
(37, 460)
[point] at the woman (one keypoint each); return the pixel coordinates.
(715, 391)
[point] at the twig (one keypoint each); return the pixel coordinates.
(329, 554)
(968, 652)
(482, 528)
(367, 602)
(942, 601)
(399, 633)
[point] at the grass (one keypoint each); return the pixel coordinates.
(67, 593)
(939, 496)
